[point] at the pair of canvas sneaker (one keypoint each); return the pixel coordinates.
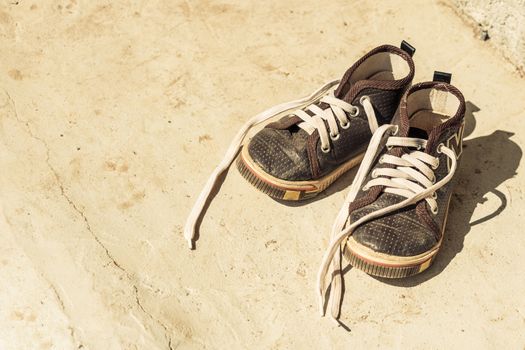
(407, 138)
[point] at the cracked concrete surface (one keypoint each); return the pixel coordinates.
(113, 114)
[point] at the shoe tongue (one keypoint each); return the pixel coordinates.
(401, 118)
(417, 133)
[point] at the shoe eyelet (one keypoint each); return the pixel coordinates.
(381, 160)
(363, 99)
(434, 195)
(354, 112)
(335, 137)
(365, 188)
(374, 174)
(325, 150)
(345, 125)
(434, 211)
(433, 179)
(439, 147)
(396, 130)
(436, 166)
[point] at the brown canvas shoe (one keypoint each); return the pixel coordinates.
(393, 221)
(304, 152)
(321, 136)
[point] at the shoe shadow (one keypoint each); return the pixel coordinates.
(486, 162)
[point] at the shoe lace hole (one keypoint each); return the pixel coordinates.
(345, 125)
(363, 99)
(434, 167)
(395, 131)
(434, 211)
(335, 137)
(354, 112)
(325, 150)
(439, 148)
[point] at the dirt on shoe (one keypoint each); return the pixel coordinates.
(304, 152)
(393, 220)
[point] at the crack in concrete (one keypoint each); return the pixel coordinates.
(139, 304)
(72, 330)
(60, 185)
(88, 226)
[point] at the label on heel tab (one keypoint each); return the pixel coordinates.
(442, 76)
(407, 48)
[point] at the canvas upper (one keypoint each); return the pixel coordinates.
(431, 111)
(289, 150)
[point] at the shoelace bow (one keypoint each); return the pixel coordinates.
(412, 177)
(337, 110)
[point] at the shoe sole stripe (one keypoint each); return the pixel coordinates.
(386, 271)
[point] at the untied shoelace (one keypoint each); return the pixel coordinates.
(412, 167)
(337, 110)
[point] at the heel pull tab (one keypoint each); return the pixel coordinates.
(405, 46)
(442, 77)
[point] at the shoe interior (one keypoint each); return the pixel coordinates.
(428, 108)
(381, 66)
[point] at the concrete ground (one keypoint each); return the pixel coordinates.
(114, 113)
(501, 21)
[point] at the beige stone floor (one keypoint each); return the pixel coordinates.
(112, 116)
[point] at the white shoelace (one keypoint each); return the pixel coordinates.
(233, 149)
(337, 109)
(413, 178)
